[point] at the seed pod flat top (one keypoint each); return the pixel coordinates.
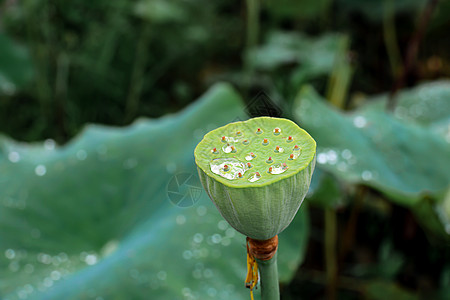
(255, 153)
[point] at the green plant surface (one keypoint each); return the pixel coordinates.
(237, 141)
(379, 290)
(16, 68)
(315, 55)
(404, 160)
(427, 105)
(92, 219)
(325, 191)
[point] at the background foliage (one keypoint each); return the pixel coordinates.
(85, 210)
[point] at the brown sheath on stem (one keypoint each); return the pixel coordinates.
(263, 250)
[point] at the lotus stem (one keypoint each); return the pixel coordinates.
(265, 252)
(269, 278)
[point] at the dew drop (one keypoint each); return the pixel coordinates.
(81, 154)
(201, 210)
(14, 157)
(161, 275)
(91, 259)
(278, 169)
(227, 148)
(10, 254)
(40, 170)
(216, 238)
(359, 121)
(29, 268)
(278, 149)
(55, 275)
(366, 175)
(346, 154)
(48, 282)
(180, 220)
(222, 225)
(250, 156)
(187, 254)
(254, 177)
(322, 158)
(331, 157)
(233, 167)
(198, 238)
(14, 266)
(49, 144)
(294, 155)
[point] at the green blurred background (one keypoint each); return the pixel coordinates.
(102, 103)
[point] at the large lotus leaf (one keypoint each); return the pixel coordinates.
(325, 191)
(427, 105)
(402, 159)
(316, 55)
(15, 66)
(119, 213)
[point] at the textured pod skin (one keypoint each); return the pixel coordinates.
(260, 212)
(261, 209)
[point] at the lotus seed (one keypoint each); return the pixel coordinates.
(224, 139)
(249, 165)
(258, 131)
(238, 133)
(269, 161)
(289, 139)
(277, 131)
(265, 142)
(245, 142)
(226, 168)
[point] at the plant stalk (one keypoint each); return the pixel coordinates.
(268, 272)
(330, 252)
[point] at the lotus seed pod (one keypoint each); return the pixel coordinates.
(259, 177)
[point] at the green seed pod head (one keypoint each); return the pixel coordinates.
(257, 173)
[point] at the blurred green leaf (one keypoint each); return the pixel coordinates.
(427, 105)
(160, 11)
(15, 66)
(379, 290)
(314, 55)
(93, 220)
(292, 9)
(404, 160)
(324, 190)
